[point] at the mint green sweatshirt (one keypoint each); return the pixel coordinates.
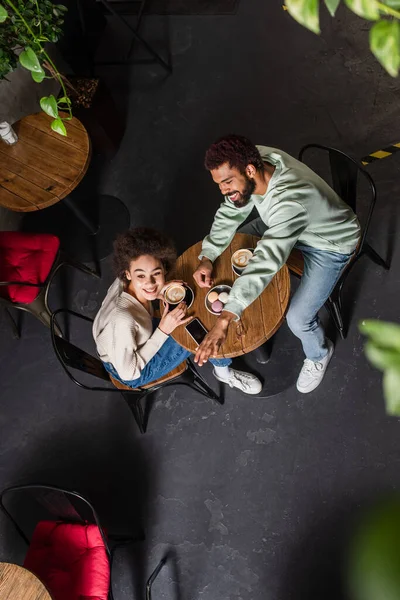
(298, 206)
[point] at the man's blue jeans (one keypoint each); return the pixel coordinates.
(168, 357)
(321, 272)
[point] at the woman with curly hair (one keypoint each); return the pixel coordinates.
(135, 347)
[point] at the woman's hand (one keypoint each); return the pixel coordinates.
(171, 320)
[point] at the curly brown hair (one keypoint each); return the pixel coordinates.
(139, 241)
(236, 150)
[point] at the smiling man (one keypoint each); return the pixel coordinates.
(296, 208)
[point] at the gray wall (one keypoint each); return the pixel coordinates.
(19, 96)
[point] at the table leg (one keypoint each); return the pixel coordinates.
(82, 216)
(262, 354)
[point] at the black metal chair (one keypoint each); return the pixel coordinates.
(116, 9)
(72, 357)
(345, 172)
(28, 505)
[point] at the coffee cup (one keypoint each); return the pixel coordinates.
(175, 293)
(240, 260)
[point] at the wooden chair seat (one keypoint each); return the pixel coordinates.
(171, 375)
(295, 262)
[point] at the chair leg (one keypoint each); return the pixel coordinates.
(200, 384)
(39, 309)
(14, 326)
(134, 403)
(335, 311)
(374, 256)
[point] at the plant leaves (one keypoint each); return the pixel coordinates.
(332, 5)
(64, 100)
(29, 60)
(305, 12)
(383, 334)
(391, 390)
(3, 14)
(38, 77)
(49, 105)
(384, 40)
(392, 3)
(382, 358)
(58, 126)
(368, 9)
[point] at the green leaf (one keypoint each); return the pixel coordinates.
(64, 100)
(384, 40)
(391, 390)
(382, 358)
(58, 126)
(49, 105)
(332, 5)
(38, 77)
(305, 12)
(3, 14)
(385, 335)
(392, 3)
(368, 9)
(29, 60)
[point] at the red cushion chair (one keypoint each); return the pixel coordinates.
(28, 263)
(25, 257)
(70, 559)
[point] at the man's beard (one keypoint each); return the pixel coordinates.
(244, 197)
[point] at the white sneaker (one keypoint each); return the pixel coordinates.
(245, 382)
(312, 373)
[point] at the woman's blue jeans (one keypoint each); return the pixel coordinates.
(168, 357)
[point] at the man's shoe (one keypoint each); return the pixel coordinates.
(245, 382)
(312, 373)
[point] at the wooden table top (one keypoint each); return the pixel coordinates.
(17, 583)
(259, 321)
(43, 166)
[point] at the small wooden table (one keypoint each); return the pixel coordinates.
(43, 167)
(17, 583)
(258, 322)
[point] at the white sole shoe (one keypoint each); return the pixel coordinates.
(245, 382)
(312, 373)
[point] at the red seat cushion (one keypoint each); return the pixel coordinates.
(25, 257)
(70, 559)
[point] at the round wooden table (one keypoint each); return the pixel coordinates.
(258, 322)
(43, 167)
(17, 583)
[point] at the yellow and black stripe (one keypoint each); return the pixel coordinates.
(384, 153)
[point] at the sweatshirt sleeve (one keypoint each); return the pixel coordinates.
(286, 222)
(128, 358)
(226, 221)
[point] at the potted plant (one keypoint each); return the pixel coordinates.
(26, 26)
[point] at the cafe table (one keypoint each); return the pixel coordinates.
(44, 167)
(17, 583)
(258, 322)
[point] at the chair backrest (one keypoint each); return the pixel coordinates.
(26, 505)
(345, 173)
(72, 357)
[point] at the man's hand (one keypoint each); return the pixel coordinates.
(203, 273)
(214, 339)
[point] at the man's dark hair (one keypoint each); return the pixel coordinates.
(139, 241)
(236, 150)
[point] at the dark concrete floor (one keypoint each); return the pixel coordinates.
(253, 499)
